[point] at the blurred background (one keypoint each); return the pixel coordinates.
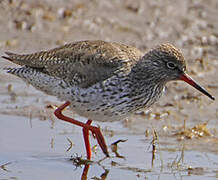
(182, 125)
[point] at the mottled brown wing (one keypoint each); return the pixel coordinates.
(82, 63)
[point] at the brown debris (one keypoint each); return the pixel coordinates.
(3, 166)
(114, 147)
(197, 131)
(154, 149)
(50, 106)
(196, 171)
(189, 96)
(78, 161)
(67, 13)
(70, 146)
(49, 17)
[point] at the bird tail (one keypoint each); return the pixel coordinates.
(16, 58)
(31, 60)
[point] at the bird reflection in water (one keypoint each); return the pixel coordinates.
(78, 162)
(85, 172)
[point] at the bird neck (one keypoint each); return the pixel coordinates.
(146, 87)
(146, 72)
(147, 78)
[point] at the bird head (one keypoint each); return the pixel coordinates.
(169, 63)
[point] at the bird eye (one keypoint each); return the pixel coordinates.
(171, 65)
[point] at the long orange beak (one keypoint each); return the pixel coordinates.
(189, 80)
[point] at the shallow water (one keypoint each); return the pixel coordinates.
(37, 150)
(36, 145)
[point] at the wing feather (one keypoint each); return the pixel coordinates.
(82, 63)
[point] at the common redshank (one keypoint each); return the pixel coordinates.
(101, 80)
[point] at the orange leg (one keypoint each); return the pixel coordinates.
(86, 139)
(86, 127)
(85, 172)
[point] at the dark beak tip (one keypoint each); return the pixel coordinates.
(190, 81)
